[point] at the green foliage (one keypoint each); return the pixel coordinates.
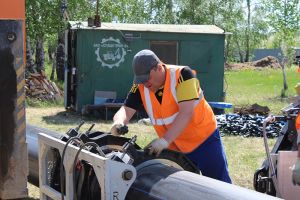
(251, 29)
(193, 12)
(259, 27)
(80, 9)
(284, 17)
(133, 11)
(247, 31)
(160, 11)
(42, 17)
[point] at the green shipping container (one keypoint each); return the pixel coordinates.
(99, 59)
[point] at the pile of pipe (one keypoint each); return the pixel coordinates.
(247, 125)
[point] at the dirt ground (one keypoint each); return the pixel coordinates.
(269, 61)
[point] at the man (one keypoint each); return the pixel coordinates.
(296, 170)
(183, 120)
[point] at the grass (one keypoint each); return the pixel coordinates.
(243, 88)
(264, 87)
(244, 156)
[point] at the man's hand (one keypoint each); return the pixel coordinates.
(118, 129)
(157, 145)
(296, 172)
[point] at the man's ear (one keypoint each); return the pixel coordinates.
(160, 67)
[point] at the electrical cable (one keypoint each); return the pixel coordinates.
(96, 146)
(80, 142)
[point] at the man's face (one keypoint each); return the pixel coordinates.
(156, 79)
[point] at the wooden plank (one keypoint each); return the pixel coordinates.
(286, 160)
(55, 88)
(31, 83)
(43, 74)
(37, 92)
(45, 86)
(36, 82)
(35, 75)
(50, 86)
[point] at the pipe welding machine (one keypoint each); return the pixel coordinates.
(96, 165)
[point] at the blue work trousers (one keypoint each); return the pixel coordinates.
(210, 158)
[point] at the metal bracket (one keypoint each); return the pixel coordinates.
(115, 178)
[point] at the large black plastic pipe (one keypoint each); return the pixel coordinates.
(157, 181)
(32, 141)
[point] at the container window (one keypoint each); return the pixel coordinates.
(167, 51)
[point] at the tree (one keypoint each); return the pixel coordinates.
(161, 11)
(248, 31)
(30, 66)
(230, 16)
(193, 12)
(256, 28)
(44, 19)
(283, 17)
(41, 21)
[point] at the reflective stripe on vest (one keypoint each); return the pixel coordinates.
(167, 120)
(173, 83)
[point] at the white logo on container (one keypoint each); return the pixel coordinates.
(110, 52)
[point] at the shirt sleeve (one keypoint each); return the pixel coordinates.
(133, 99)
(188, 85)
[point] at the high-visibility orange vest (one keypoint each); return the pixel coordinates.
(201, 126)
(297, 123)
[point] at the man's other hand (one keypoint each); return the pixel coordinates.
(118, 129)
(157, 145)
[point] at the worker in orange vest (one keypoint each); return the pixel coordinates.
(296, 169)
(182, 119)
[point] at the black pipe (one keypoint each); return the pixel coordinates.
(33, 162)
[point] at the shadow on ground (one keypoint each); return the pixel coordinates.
(71, 117)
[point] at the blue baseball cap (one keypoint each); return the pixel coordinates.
(143, 62)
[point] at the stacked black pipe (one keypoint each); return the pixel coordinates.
(247, 125)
